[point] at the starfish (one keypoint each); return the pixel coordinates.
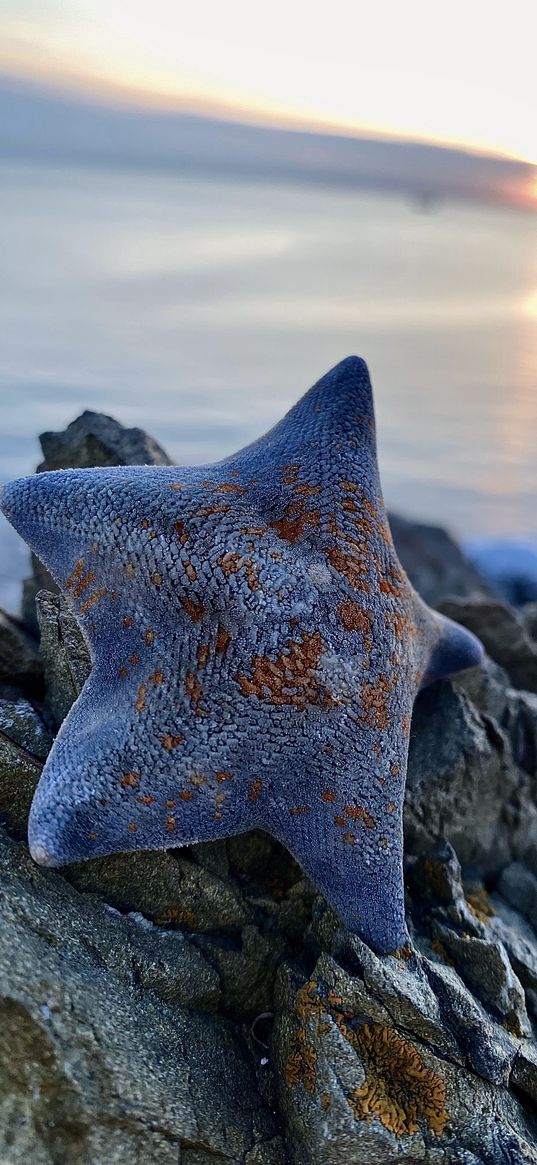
(256, 649)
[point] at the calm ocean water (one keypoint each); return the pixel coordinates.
(201, 309)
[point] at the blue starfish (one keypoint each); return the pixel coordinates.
(256, 653)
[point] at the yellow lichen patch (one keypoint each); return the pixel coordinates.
(290, 678)
(399, 1090)
(296, 521)
(195, 610)
(480, 904)
(130, 780)
(170, 742)
(374, 698)
(358, 813)
(301, 1063)
(140, 702)
(92, 599)
(177, 916)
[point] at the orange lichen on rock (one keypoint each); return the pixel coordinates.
(290, 678)
(399, 1090)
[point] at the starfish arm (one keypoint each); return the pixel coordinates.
(333, 421)
(348, 835)
(115, 781)
(451, 648)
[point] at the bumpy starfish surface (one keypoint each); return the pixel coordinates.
(256, 653)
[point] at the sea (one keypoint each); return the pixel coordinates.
(200, 308)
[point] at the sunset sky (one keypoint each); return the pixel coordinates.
(462, 73)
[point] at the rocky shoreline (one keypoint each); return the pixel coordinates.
(203, 1005)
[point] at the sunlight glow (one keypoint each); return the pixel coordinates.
(463, 73)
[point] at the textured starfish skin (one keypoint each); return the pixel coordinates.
(256, 653)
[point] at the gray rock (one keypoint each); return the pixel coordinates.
(434, 562)
(503, 633)
(18, 651)
(95, 439)
(109, 1053)
(64, 653)
(462, 783)
(24, 744)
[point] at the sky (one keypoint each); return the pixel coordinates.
(461, 73)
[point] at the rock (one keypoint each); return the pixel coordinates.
(95, 439)
(462, 783)
(24, 744)
(19, 659)
(109, 1049)
(64, 652)
(504, 635)
(433, 561)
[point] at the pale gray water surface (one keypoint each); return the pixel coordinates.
(201, 309)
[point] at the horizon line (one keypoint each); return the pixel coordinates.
(115, 95)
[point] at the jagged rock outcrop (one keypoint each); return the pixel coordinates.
(204, 1005)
